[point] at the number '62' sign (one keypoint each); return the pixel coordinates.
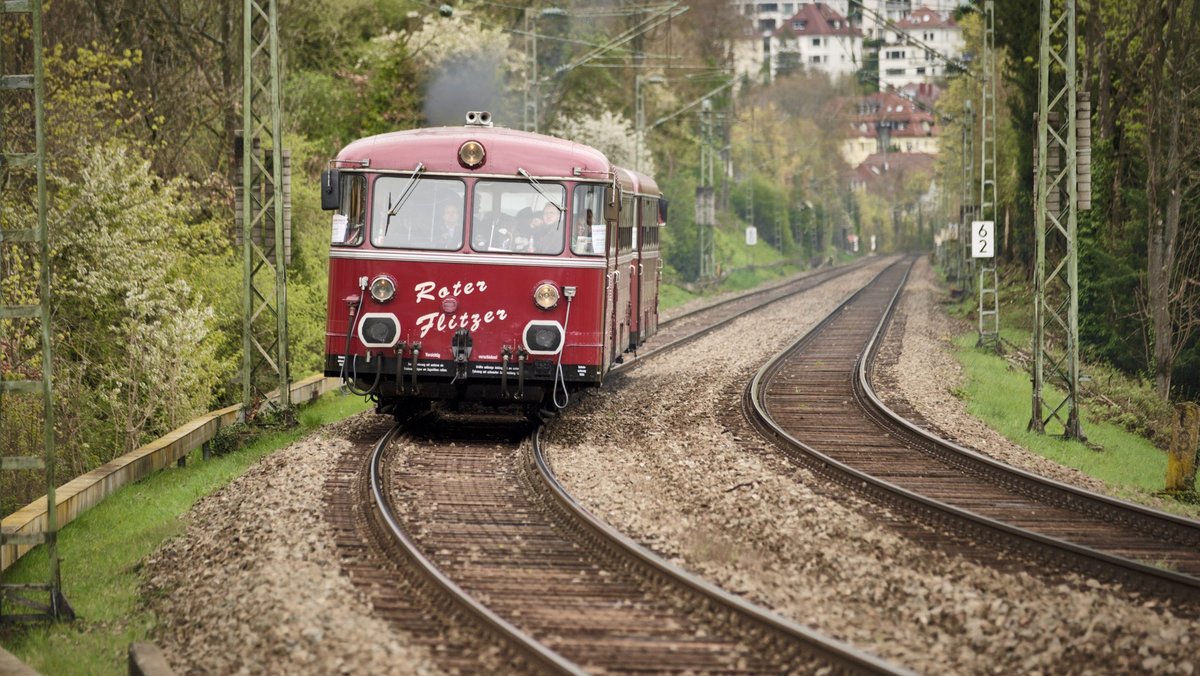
(983, 239)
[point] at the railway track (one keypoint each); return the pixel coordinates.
(467, 526)
(816, 403)
(700, 322)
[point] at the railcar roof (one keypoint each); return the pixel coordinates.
(641, 183)
(506, 151)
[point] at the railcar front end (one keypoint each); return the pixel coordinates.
(470, 264)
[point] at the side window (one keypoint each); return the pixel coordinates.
(349, 219)
(627, 224)
(649, 222)
(587, 220)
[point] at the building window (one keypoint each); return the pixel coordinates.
(894, 72)
(816, 42)
(799, 25)
(789, 8)
(921, 70)
(895, 54)
(766, 24)
(814, 59)
(768, 7)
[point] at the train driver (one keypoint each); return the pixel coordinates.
(448, 233)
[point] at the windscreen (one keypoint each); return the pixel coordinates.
(418, 213)
(518, 217)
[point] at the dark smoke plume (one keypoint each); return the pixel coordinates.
(463, 83)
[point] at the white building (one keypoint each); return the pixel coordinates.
(790, 36)
(818, 38)
(916, 49)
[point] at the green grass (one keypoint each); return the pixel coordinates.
(670, 295)
(999, 395)
(102, 552)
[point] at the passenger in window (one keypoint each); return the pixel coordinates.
(583, 233)
(448, 234)
(546, 231)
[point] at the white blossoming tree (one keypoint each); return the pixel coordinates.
(610, 133)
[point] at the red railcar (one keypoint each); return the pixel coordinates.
(485, 264)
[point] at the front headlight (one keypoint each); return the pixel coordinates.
(383, 289)
(471, 154)
(546, 296)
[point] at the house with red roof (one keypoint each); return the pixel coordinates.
(889, 122)
(787, 37)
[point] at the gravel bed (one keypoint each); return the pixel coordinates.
(651, 456)
(254, 584)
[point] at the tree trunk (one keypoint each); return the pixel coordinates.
(1185, 444)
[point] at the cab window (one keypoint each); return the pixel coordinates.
(518, 217)
(418, 213)
(351, 216)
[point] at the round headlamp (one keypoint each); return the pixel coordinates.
(546, 296)
(471, 154)
(383, 289)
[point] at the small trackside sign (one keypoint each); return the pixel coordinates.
(983, 239)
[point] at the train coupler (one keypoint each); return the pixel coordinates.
(461, 347)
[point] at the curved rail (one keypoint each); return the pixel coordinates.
(769, 295)
(984, 528)
(823, 274)
(830, 651)
(532, 650)
(1171, 527)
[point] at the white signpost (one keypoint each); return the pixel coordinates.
(751, 235)
(983, 239)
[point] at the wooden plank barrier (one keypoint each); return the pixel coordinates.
(81, 494)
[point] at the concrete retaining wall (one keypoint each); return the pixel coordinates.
(81, 494)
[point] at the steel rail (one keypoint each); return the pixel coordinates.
(538, 654)
(1177, 529)
(1027, 542)
(802, 285)
(832, 652)
(824, 275)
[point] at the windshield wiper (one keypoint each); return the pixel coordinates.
(538, 187)
(408, 189)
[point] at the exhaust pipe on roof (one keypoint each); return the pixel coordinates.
(479, 118)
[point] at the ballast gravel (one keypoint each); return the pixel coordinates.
(254, 585)
(651, 456)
